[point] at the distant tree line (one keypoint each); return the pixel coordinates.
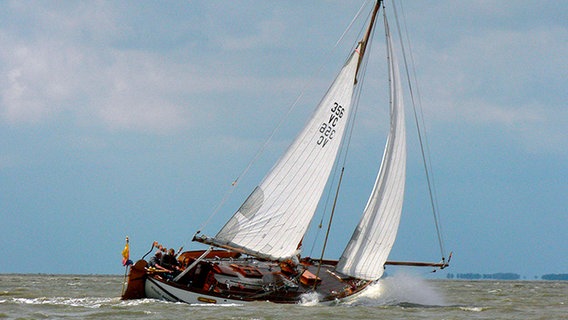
(504, 276)
(487, 276)
(555, 276)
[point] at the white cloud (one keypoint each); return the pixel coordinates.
(76, 61)
(501, 76)
(48, 74)
(80, 62)
(32, 88)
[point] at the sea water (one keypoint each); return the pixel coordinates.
(396, 297)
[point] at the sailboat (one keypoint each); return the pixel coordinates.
(257, 254)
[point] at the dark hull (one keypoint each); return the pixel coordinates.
(223, 277)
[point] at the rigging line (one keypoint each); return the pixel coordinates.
(351, 23)
(356, 98)
(428, 180)
(421, 109)
(349, 133)
(276, 128)
(358, 90)
(250, 164)
(362, 69)
(329, 227)
(320, 225)
(355, 104)
(419, 99)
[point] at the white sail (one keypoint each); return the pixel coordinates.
(271, 223)
(372, 240)
(273, 220)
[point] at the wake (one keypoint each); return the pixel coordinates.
(400, 290)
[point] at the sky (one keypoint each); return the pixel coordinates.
(133, 118)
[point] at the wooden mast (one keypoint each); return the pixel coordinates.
(363, 44)
(365, 39)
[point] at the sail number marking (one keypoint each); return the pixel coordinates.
(327, 129)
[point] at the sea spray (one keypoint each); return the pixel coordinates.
(400, 289)
(309, 299)
(37, 296)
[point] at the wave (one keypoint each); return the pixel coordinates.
(67, 301)
(401, 289)
(309, 299)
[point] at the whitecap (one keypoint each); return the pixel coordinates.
(402, 288)
(309, 299)
(472, 309)
(74, 302)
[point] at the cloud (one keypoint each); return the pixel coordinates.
(502, 76)
(30, 88)
(97, 65)
(88, 64)
(62, 67)
(43, 80)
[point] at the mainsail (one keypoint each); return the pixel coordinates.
(271, 223)
(273, 220)
(367, 251)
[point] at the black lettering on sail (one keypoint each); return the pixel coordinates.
(333, 120)
(328, 129)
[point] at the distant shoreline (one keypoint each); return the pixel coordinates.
(506, 276)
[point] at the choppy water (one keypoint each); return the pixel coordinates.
(398, 297)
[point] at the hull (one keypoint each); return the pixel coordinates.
(229, 279)
(157, 289)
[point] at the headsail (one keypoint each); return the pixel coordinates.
(274, 218)
(372, 240)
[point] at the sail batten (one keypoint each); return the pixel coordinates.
(367, 251)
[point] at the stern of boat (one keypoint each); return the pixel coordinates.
(136, 280)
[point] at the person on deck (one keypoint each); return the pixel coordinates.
(156, 262)
(169, 260)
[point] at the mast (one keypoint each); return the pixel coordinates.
(276, 215)
(274, 218)
(367, 35)
(373, 238)
(361, 47)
